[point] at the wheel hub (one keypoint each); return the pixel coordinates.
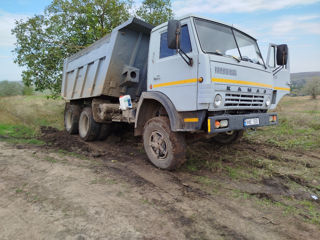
(158, 145)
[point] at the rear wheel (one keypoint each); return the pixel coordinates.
(89, 129)
(165, 149)
(228, 137)
(71, 118)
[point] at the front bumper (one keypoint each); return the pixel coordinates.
(237, 122)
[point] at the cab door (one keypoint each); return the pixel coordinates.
(169, 73)
(281, 75)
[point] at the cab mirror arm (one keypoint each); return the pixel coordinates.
(173, 38)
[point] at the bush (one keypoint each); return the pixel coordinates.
(10, 88)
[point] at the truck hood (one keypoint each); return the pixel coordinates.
(242, 74)
(242, 85)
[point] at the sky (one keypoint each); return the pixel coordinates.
(294, 22)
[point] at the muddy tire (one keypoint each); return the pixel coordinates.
(228, 137)
(105, 131)
(164, 148)
(89, 129)
(71, 118)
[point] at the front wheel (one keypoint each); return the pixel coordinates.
(228, 137)
(165, 149)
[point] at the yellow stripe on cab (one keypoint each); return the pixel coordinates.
(193, 80)
(223, 80)
(282, 88)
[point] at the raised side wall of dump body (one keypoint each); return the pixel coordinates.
(114, 65)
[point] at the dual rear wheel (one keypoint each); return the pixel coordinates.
(82, 122)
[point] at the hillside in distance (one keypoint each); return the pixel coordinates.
(299, 80)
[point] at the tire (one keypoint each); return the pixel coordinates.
(71, 118)
(228, 137)
(164, 148)
(105, 131)
(89, 129)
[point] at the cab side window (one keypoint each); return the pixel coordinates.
(185, 43)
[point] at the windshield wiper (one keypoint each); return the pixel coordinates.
(234, 57)
(217, 52)
(247, 59)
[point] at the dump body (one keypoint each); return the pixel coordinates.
(113, 66)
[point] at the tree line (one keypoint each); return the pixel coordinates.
(9, 88)
(67, 26)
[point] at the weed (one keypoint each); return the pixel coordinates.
(232, 172)
(19, 190)
(204, 180)
(120, 194)
(50, 159)
(72, 154)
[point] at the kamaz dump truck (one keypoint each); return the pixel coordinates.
(186, 77)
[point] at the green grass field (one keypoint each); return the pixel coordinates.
(22, 116)
(299, 125)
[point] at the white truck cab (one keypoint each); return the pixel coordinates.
(226, 62)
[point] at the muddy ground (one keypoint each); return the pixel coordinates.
(69, 189)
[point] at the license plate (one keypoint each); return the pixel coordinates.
(251, 122)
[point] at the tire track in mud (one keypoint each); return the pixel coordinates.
(169, 198)
(170, 204)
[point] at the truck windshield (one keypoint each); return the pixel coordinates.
(248, 48)
(222, 40)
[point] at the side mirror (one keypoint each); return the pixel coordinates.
(282, 54)
(174, 30)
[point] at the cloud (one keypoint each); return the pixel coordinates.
(296, 25)
(7, 22)
(182, 7)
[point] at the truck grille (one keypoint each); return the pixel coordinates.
(246, 100)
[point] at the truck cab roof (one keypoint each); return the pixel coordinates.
(204, 18)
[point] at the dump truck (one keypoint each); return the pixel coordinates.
(185, 78)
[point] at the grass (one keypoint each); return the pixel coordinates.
(288, 206)
(299, 125)
(286, 154)
(72, 154)
(19, 134)
(22, 116)
(50, 159)
(298, 130)
(32, 111)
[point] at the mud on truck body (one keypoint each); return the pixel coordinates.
(191, 76)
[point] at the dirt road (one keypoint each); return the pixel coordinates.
(108, 190)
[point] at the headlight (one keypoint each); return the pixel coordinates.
(217, 100)
(268, 101)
